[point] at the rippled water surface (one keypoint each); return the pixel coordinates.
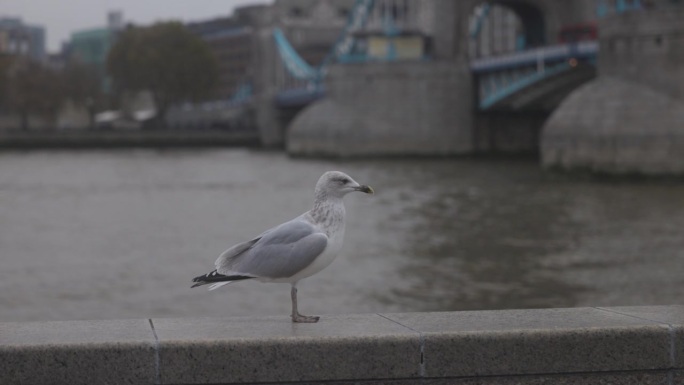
(120, 234)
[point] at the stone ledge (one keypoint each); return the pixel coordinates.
(271, 349)
(622, 345)
(77, 352)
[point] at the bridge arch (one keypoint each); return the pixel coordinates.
(507, 25)
(540, 20)
(533, 20)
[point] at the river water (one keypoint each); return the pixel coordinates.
(120, 234)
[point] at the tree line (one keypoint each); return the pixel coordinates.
(165, 59)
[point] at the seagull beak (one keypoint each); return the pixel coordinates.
(365, 189)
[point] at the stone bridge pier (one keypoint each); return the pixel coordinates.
(379, 109)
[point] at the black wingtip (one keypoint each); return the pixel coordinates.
(214, 277)
(207, 278)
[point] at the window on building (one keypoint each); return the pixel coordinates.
(343, 13)
(296, 12)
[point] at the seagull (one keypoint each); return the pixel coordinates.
(294, 250)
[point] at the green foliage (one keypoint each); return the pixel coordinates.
(29, 88)
(81, 82)
(165, 59)
(6, 62)
(32, 89)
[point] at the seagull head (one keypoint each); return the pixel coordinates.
(339, 184)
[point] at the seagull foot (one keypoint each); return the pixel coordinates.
(298, 318)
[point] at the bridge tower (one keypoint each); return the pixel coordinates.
(630, 120)
(313, 26)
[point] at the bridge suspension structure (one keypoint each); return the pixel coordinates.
(301, 82)
(502, 77)
(512, 78)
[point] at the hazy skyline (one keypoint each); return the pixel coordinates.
(61, 18)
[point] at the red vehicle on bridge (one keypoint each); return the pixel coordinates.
(573, 33)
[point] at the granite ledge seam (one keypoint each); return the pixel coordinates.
(157, 359)
(421, 339)
(669, 326)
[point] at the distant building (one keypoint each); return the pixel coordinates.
(312, 26)
(244, 48)
(91, 46)
(231, 42)
(17, 38)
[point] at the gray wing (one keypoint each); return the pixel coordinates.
(278, 253)
(234, 252)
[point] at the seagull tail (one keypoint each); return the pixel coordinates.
(215, 286)
(216, 279)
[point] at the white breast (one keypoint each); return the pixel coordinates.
(335, 232)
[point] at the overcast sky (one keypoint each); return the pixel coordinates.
(61, 17)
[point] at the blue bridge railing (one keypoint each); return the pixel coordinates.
(502, 76)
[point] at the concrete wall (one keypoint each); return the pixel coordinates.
(631, 119)
(400, 108)
(628, 345)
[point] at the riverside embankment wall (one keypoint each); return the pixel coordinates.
(125, 139)
(620, 345)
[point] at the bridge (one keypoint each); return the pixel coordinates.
(499, 78)
(501, 61)
(299, 83)
(447, 77)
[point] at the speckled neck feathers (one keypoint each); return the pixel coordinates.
(328, 212)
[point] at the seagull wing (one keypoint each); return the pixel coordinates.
(277, 253)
